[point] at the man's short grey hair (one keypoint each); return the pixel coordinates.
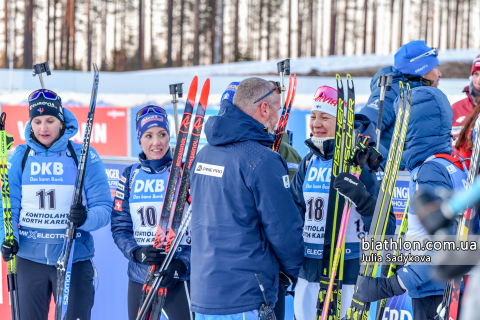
(250, 90)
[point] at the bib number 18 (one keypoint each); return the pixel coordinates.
(315, 209)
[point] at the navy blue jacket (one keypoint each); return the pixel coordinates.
(244, 220)
(311, 268)
(388, 118)
(429, 133)
(122, 225)
(95, 187)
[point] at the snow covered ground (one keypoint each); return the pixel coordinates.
(136, 88)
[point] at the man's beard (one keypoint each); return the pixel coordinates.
(271, 127)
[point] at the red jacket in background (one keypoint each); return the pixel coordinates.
(461, 111)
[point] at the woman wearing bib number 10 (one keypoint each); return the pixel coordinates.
(136, 214)
(42, 176)
(310, 187)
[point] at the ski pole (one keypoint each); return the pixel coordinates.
(39, 69)
(176, 89)
(283, 68)
(65, 261)
(169, 257)
(385, 83)
(282, 125)
(6, 142)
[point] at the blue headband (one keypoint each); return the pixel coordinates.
(151, 120)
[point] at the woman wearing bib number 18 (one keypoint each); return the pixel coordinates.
(136, 214)
(310, 187)
(42, 176)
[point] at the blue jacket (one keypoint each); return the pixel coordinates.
(429, 133)
(96, 191)
(244, 220)
(122, 225)
(388, 118)
(311, 268)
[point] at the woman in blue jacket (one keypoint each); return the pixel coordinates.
(310, 188)
(136, 214)
(42, 176)
(429, 158)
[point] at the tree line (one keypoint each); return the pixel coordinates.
(125, 35)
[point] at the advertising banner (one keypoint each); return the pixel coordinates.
(109, 134)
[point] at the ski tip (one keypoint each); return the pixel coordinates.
(205, 92)
(294, 89)
(339, 82)
(192, 92)
(349, 82)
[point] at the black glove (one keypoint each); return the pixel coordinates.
(78, 214)
(370, 289)
(354, 190)
(286, 281)
(9, 250)
(427, 207)
(149, 255)
(175, 270)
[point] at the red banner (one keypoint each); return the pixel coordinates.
(109, 134)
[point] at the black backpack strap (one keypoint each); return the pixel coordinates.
(25, 157)
(72, 152)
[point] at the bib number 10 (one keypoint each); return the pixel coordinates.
(315, 208)
(42, 195)
(148, 216)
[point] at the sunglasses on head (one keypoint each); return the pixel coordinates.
(276, 89)
(434, 51)
(47, 94)
(149, 109)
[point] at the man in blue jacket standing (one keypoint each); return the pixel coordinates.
(415, 63)
(244, 219)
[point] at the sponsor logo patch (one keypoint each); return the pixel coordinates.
(451, 168)
(118, 205)
(209, 169)
(121, 187)
(286, 182)
(119, 194)
(123, 179)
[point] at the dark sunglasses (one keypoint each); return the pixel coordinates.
(148, 109)
(277, 89)
(47, 94)
(434, 51)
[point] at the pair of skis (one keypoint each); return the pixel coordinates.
(451, 296)
(6, 142)
(64, 264)
(331, 282)
(166, 236)
(360, 309)
(393, 267)
(282, 124)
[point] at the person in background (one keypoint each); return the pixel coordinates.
(415, 63)
(465, 113)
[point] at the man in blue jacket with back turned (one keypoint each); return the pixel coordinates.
(415, 63)
(244, 220)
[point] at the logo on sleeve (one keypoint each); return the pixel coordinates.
(119, 194)
(286, 182)
(123, 179)
(451, 169)
(121, 187)
(209, 169)
(118, 205)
